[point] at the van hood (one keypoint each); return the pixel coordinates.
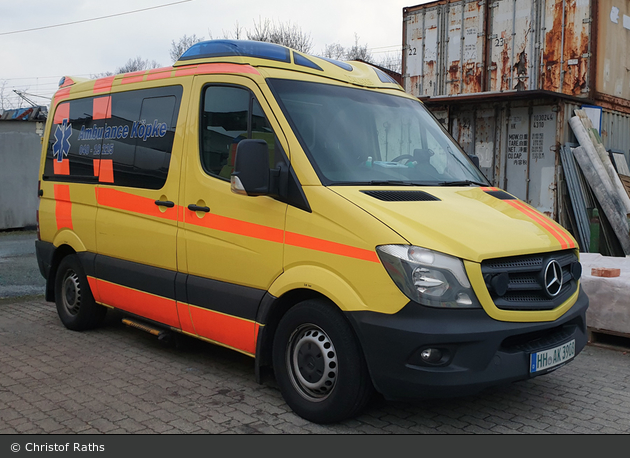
(472, 223)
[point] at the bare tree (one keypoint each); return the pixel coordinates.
(238, 34)
(391, 61)
(181, 46)
(355, 52)
(136, 64)
(335, 51)
(290, 35)
(358, 52)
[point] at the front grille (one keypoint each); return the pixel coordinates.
(526, 283)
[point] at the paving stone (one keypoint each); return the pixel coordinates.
(115, 380)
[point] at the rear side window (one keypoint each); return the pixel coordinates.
(230, 114)
(124, 139)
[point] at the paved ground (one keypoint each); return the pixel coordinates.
(118, 380)
(19, 274)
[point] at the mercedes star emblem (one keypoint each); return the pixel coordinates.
(553, 278)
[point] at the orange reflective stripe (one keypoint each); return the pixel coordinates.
(62, 94)
(106, 170)
(133, 77)
(185, 319)
(159, 73)
(103, 84)
(228, 330)
(129, 202)
(94, 288)
(61, 168)
(136, 204)
(67, 81)
(102, 108)
(63, 206)
(144, 304)
(234, 226)
(312, 243)
(62, 112)
(215, 68)
(551, 227)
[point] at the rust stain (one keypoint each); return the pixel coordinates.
(473, 78)
(552, 55)
(429, 78)
(454, 77)
(520, 68)
(414, 85)
(505, 70)
(575, 46)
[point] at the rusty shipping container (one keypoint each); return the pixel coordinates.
(517, 142)
(579, 48)
(504, 77)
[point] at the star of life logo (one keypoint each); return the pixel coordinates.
(61, 147)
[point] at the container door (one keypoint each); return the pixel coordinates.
(542, 167)
(517, 152)
(422, 52)
(231, 245)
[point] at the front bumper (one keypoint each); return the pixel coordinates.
(480, 351)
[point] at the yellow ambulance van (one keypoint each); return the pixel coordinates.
(305, 212)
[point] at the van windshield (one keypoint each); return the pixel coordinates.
(362, 137)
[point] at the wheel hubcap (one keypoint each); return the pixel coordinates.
(312, 362)
(71, 293)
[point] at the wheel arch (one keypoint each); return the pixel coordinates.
(60, 252)
(270, 313)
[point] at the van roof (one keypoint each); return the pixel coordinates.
(248, 54)
(271, 55)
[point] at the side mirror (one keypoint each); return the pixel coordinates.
(474, 159)
(251, 168)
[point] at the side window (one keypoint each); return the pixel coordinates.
(141, 158)
(123, 139)
(230, 114)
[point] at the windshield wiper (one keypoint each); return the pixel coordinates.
(462, 183)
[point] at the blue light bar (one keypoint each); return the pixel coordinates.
(228, 48)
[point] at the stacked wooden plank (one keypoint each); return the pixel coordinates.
(612, 197)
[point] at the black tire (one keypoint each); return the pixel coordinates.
(319, 365)
(75, 304)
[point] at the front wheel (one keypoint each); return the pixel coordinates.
(75, 304)
(319, 365)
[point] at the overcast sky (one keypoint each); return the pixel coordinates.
(34, 54)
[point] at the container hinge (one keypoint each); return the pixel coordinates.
(587, 55)
(494, 5)
(480, 34)
(587, 20)
(481, 3)
(492, 37)
(555, 108)
(492, 67)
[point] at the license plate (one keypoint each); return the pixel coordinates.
(543, 360)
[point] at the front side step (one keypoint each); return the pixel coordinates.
(162, 334)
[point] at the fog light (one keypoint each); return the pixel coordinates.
(431, 355)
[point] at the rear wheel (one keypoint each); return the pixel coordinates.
(319, 364)
(75, 304)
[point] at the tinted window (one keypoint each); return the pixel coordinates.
(123, 139)
(230, 114)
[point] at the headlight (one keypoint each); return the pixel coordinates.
(428, 277)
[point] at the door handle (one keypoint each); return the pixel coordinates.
(165, 203)
(196, 208)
